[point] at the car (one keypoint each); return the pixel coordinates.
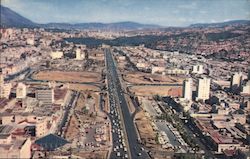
(126, 155)
(118, 154)
(139, 154)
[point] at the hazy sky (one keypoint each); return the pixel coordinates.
(162, 12)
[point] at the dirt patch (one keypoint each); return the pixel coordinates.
(93, 154)
(174, 91)
(72, 130)
(146, 78)
(83, 87)
(68, 76)
(131, 106)
(145, 129)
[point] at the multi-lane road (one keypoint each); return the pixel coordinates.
(135, 149)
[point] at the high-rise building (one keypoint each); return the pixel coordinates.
(5, 90)
(203, 88)
(56, 54)
(1, 77)
(45, 95)
(198, 69)
(21, 91)
(187, 89)
(236, 81)
(246, 88)
(79, 54)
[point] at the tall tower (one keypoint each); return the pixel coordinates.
(1, 77)
(203, 88)
(1, 84)
(236, 81)
(79, 54)
(187, 89)
(21, 91)
(198, 69)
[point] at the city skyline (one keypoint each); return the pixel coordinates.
(164, 13)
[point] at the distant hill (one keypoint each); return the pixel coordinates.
(101, 26)
(222, 24)
(10, 18)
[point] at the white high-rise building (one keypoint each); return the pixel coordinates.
(203, 88)
(21, 91)
(198, 69)
(56, 54)
(5, 88)
(79, 54)
(187, 89)
(1, 78)
(236, 81)
(246, 88)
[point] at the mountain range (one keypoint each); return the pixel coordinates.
(10, 18)
(222, 24)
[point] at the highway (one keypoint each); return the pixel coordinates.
(135, 148)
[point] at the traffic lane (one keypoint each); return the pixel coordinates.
(129, 125)
(116, 145)
(132, 137)
(130, 129)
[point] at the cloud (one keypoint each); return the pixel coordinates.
(203, 12)
(192, 5)
(162, 12)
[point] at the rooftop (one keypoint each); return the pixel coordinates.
(51, 142)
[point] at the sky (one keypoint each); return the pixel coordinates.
(160, 12)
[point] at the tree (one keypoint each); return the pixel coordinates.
(157, 97)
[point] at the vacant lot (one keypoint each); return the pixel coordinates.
(72, 130)
(147, 78)
(175, 91)
(83, 87)
(67, 76)
(145, 129)
(92, 154)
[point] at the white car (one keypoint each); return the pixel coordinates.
(118, 154)
(126, 155)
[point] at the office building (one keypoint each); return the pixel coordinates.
(79, 54)
(1, 77)
(198, 69)
(187, 89)
(203, 88)
(56, 54)
(236, 81)
(5, 90)
(45, 95)
(21, 91)
(246, 88)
